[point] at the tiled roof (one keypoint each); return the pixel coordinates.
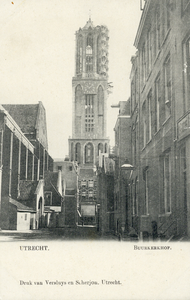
(51, 182)
(50, 178)
(27, 189)
(24, 115)
(70, 192)
(20, 206)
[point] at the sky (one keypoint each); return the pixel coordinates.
(37, 57)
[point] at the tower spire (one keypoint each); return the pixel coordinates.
(89, 14)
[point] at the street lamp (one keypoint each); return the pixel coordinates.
(126, 171)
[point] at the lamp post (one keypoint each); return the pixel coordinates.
(126, 172)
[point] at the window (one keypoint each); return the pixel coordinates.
(143, 64)
(144, 124)
(25, 217)
(89, 57)
(135, 198)
(147, 119)
(100, 148)
(167, 183)
(146, 191)
(89, 60)
(90, 194)
(99, 54)
(183, 164)
(186, 74)
(157, 33)
(90, 183)
(89, 113)
(48, 198)
(183, 184)
(165, 180)
(90, 40)
(136, 86)
(100, 97)
(89, 153)
(132, 95)
(79, 54)
(168, 14)
(157, 103)
(70, 168)
(149, 128)
(72, 152)
(167, 86)
(149, 51)
(59, 168)
(78, 152)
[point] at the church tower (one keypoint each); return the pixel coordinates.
(89, 98)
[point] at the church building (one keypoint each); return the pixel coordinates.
(89, 97)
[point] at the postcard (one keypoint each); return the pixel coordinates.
(94, 150)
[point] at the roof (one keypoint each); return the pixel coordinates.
(27, 189)
(51, 182)
(89, 173)
(24, 115)
(20, 206)
(47, 209)
(31, 118)
(88, 24)
(50, 179)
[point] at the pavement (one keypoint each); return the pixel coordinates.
(55, 234)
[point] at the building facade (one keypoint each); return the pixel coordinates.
(105, 194)
(24, 159)
(122, 155)
(69, 177)
(160, 121)
(89, 88)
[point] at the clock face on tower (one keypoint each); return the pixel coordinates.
(89, 88)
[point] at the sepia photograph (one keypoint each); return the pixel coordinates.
(95, 149)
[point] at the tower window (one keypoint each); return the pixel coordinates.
(89, 153)
(78, 152)
(89, 59)
(90, 40)
(79, 55)
(89, 50)
(89, 113)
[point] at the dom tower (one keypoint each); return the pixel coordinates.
(89, 90)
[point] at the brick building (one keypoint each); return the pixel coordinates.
(122, 155)
(160, 121)
(105, 194)
(69, 191)
(24, 159)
